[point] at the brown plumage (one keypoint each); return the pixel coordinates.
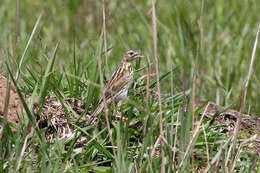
(119, 83)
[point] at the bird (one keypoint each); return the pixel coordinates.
(118, 85)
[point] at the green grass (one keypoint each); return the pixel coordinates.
(57, 56)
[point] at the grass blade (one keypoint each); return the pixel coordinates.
(26, 48)
(46, 76)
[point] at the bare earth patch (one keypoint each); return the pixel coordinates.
(14, 109)
(57, 119)
(249, 125)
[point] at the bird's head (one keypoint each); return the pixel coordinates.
(131, 55)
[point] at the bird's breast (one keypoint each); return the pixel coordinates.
(122, 95)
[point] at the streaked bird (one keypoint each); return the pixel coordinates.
(117, 87)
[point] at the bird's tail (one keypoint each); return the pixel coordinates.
(98, 110)
(94, 114)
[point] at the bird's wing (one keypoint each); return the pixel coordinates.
(120, 80)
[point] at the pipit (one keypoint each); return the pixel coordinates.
(119, 83)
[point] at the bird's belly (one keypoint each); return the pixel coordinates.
(122, 95)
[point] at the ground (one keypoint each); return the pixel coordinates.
(54, 111)
(14, 108)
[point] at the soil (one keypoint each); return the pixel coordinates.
(249, 128)
(14, 108)
(56, 119)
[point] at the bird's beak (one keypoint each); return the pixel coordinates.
(138, 55)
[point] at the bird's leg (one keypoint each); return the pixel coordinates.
(119, 115)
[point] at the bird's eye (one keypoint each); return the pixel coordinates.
(131, 53)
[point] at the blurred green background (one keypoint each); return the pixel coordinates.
(221, 35)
